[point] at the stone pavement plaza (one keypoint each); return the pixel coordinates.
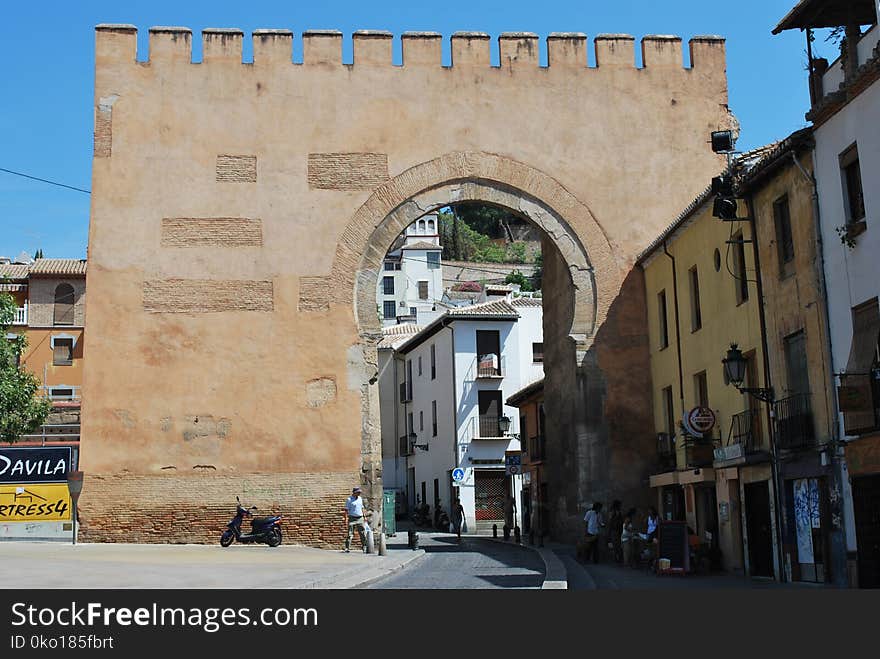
(86, 565)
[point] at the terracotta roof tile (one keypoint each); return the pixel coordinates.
(527, 302)
(59, 267)
(14, 271)
(501, 308)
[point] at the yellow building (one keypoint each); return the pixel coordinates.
(50, 295)
(779, 190)
(714, 469)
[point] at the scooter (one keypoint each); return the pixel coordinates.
(263, 529)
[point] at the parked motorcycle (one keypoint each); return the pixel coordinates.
(442, 523)
(421, 515)
(263, 529)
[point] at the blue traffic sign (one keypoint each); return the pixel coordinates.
(458, 474)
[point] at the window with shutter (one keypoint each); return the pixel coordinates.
(62, 352)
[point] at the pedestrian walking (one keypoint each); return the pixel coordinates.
(593, 522)
(457, 517)
(615, 531)
(628, 538)
(354, 514)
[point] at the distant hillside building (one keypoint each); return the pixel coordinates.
(411, 280)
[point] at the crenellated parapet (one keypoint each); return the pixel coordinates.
(372, 48)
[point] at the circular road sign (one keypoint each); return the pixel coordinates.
(458, 474)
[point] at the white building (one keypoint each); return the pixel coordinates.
(845, 112)
(411, 281)
(443, 391)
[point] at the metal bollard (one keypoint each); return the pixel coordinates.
(506, 532)
(494, 530)
(412, 539)
(371, 548)
(516, 535)
(383, 549)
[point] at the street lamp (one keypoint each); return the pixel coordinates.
(735, 371)
(412, 441)
(504, 424)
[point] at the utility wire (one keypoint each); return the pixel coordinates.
(43, 180)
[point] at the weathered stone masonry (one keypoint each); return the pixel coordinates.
(235, 272)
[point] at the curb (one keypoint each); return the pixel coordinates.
(555, 574)
(353, 578)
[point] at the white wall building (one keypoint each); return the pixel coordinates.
(845, 112)
(411, 281)
(449, 383)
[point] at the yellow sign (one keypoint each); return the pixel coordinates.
(35, 502)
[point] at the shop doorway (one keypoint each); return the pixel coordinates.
(673, 503)
(760, 538)
(866, 505)
(489, 491)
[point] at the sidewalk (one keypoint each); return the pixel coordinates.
(55, 565)
(613, 576)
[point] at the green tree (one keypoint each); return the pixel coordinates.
(517, 277)
(21, 410)
(538, 274)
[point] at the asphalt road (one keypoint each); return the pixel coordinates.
(473, 564)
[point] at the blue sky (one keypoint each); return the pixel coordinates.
(47, 56)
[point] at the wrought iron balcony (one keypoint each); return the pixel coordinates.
(666, 451)
(490, 366)
(745, 430)
(486, 427)
(699, 451)
(794, 423)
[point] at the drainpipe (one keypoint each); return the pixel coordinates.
(838, 528)
(677, 332)
(774, 456)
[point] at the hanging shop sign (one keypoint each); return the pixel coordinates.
(35, 464)
(700, 420)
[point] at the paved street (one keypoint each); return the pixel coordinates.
(476, 563)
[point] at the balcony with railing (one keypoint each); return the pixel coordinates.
(486, 427)
(699, 451)
(745, 430)
(666, 451)
(21, 316)
(490, 366)
(794, 423)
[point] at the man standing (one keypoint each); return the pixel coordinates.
(354, 510)
(593, 521)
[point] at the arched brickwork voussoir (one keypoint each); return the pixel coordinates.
(493, 179)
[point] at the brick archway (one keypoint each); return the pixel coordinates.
(489, 178)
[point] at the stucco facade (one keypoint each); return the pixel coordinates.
(241, 213)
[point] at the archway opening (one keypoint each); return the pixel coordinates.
(465, 326)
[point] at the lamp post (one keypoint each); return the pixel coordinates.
(735, 365)
(504, 427)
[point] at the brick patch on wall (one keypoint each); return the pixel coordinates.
(103, 132)
(320, 391)
(194, 507)
(314, 293)
(237, 169)
(206, 296)
(211, 232)
(347, 171)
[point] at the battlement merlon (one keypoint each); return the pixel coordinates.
(518, 50)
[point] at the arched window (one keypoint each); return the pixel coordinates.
(421, 226)
(431, 228)
(64, 304)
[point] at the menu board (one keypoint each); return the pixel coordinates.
(673, 545)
